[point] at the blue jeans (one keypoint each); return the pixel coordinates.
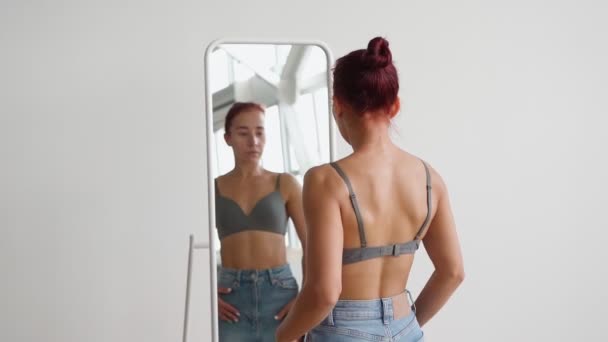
(258, 295)
(366, 320)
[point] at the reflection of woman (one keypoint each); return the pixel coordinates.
(366, 216)
(255, 284)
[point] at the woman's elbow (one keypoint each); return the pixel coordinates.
(459, 276)
(327, 296)
(454, 275)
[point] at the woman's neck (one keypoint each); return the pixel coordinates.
(370, 135)
(247, 169)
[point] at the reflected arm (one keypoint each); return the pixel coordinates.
(295, 210)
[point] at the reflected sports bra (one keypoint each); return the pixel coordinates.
(352, 255)
(268, 214)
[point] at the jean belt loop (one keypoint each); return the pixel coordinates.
(271, 276)
(386, 310)
(330, 318)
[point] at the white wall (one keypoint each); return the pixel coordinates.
(102, 171)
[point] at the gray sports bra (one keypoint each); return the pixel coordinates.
(268, 214)
(352, 255)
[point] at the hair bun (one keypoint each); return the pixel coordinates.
(377, 55)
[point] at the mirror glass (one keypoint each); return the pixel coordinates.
(290, 81)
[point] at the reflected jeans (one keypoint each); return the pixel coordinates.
(258, 295)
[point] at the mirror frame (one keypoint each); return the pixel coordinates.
(211, 146)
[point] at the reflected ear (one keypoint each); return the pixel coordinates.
(227, 139)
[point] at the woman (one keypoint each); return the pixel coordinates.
(255, 284)
(366, 216)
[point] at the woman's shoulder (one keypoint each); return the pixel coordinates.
(219, 178)
(409, 163)
(319, 171)
(322, 176)
(436, 180)
(284, 178)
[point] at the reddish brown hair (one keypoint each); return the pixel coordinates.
(237, 108)
(366, 79)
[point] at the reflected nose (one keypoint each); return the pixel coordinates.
(250, 140)
(254, 141)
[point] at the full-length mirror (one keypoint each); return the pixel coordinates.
(270, 121)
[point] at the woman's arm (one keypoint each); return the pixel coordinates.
(324, 243)
(443, 248)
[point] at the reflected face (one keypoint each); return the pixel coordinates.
(246, 136)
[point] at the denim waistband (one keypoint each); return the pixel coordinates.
(246, 276)
(381, 308)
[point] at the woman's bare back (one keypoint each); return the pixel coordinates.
(390, 188)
